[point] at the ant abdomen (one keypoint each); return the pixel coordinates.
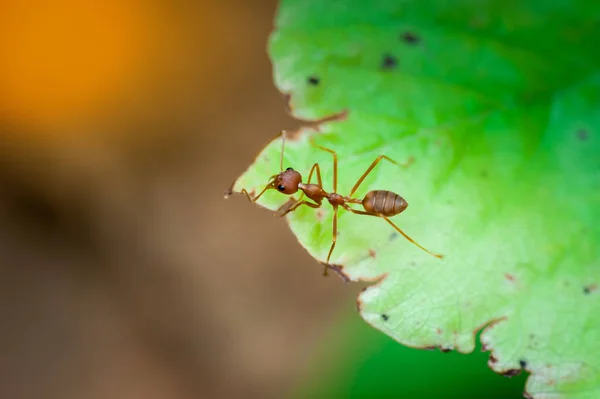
(383, 202)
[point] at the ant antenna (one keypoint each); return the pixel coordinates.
(283, 134)
(272, 178)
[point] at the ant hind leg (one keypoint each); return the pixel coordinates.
(358, 212)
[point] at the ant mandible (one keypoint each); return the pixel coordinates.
(379, 203)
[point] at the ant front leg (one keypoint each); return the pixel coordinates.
(267, 187)
(247, 195)
(298, 204)
(286, 205)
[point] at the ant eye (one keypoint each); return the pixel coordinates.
(289, 169)
(281, 187)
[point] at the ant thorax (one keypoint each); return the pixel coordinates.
(313, 191)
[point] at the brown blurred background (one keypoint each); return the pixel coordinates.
(123, 271)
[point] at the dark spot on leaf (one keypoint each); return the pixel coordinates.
(438, 330)
(393, 236)
(588, 289)
(410, 38)
(493, 359)
(509, 277)
(511, 372)
(522, 363)
(445, 350)
(385, 317)
(320, 214)
(371, 253)
(388, 62)
(583, 134)
(313, 80)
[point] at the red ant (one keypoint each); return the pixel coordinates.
(379, 203)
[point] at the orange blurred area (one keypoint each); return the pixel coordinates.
(64, 58)
(123, 272)
(65, 62)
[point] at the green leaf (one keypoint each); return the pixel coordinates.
(498, 103)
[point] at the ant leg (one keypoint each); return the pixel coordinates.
(297, 204)
(268, 186)
(358, 212)
(335, 218)
(286, 205)
(375, 162)
(312, 170)
(318, 169)
(247, 195)
(335, 163)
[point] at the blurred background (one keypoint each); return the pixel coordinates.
(123, 271)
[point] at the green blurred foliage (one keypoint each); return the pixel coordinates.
(355, 361)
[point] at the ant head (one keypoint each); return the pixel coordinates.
(287, 181)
